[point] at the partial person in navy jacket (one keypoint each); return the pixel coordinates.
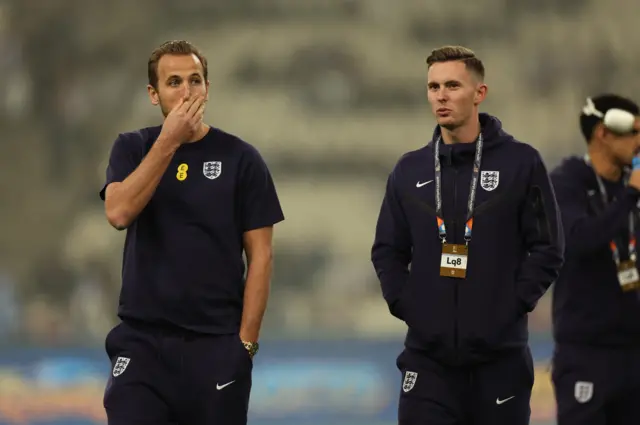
(468, 239)
(596, 299)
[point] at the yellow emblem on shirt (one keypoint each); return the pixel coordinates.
(182, 172)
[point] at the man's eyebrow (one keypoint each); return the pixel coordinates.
(195, 74)
(445, 83)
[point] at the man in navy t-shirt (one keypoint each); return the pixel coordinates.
(193, 199)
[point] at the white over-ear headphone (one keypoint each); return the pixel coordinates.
(616, 120)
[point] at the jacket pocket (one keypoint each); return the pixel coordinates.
(428, 307)
(399, 308)
(489, 318)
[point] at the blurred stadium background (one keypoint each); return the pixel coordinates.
(332, 93)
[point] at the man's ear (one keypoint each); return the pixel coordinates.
(481, 93)
(153, 95)
(600, 132)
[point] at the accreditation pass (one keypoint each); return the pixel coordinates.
(453, 262)
(628, 276)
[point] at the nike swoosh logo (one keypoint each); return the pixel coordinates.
(422, 184)
(219, 387)
(498, 401)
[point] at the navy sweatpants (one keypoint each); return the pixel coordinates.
(492, 393)
(596, 385)
(162, 376)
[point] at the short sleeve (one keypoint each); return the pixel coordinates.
(259, 203)
(125, 157)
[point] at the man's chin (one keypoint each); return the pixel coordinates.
(447, 123)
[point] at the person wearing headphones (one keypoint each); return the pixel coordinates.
(596, 298)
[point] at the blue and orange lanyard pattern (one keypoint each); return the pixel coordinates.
(442, 229)
(615, 251)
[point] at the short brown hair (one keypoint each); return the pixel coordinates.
(174, 47)
(457, 53)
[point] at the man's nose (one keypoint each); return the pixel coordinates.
(186, 90)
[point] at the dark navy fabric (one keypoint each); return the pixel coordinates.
(514, 256)
(496, 392)
(596, 325)
(589, 306)
(183, 256)
(596, 385)
(167, 376)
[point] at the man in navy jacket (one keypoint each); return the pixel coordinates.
(596, 302)
(468, 240)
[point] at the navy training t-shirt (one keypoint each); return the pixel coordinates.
(183, 256)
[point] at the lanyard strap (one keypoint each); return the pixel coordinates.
(442, 230)
(605, 199)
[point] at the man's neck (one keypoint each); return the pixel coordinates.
(604, 166)
(467, 133)
(199, 135)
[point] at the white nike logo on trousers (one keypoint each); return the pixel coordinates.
(498, 401)
(219, 387)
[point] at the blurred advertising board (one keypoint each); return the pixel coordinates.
(294, 382)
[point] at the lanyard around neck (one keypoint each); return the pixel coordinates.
(605, 200)
(442, 230)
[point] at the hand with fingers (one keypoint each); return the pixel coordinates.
(184, 120)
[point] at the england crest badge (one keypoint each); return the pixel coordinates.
(212, 169)
(583, 391)
(120, 366)
(489, 180)
(410, 379)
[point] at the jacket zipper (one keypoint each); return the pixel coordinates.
(454, 239)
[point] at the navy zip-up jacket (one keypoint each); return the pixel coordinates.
(514, 255)
(589, 307)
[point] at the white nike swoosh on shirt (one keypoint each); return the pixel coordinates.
(422, 184)
(219, 387)
(498, 401)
